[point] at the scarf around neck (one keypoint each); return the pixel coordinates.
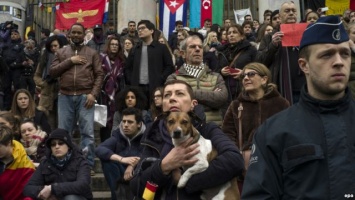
(61, 163)
(194, 70)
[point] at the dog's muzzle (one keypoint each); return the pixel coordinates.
(177, 134)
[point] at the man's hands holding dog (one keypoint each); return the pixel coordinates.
(182, 155)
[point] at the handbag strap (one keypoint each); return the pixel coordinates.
(240, 109)
(235, 58)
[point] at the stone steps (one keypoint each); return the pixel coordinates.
(99, 187)
(102, 195)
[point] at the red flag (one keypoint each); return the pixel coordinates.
(81, 11)
(206, 10)
(352, 4)
(174, 5)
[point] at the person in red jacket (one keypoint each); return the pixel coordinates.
(15, 166)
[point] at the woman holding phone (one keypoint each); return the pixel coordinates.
(232, 57)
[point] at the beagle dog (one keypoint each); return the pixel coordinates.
(180, 128)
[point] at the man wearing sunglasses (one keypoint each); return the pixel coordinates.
(307, 151)
(208, 87)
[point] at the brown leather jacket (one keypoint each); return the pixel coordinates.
(78, 79)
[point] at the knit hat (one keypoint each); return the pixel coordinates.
(60, 134)
(328, 29)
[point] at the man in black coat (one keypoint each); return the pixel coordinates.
(14, 55)
(149, 63)
(307, 151)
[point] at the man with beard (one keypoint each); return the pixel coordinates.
(81, 76)
(307, 151)
(132, 33)
(282, 61)
(98, 41)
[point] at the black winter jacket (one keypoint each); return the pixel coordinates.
(160, 65)
(224, 167)
(119, 144)
(73, 179)
(304, 152)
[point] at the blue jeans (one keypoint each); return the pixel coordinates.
(113, 172)
(71, 109)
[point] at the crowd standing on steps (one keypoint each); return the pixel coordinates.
(246, 88)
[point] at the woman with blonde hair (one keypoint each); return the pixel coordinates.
(211, 42)
(258, 101)
(163, 40)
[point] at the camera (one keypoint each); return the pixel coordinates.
(213, 44)
(4, 26)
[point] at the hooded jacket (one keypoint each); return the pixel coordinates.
(120, 144)
(73, 179)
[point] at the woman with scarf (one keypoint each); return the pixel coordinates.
(113, 61)
(48, 85)
(232, 58)
(32, 139)
(64, 174)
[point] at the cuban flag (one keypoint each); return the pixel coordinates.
(105, 18)
(171, 11)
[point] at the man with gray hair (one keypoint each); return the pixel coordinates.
(282, 61)
(307, 151)
(208, 87)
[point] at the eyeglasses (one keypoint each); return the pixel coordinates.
(114, 44)
(249, 74)
(60, 143)
(141, 28)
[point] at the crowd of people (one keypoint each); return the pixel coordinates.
(280, 118)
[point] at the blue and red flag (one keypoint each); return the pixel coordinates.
(105, 18)
(171, 11)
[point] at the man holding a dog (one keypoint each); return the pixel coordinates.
(161, 163)
(307, 151)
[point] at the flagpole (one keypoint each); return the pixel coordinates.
(157, 20)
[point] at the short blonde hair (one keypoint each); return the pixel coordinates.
(262, 71)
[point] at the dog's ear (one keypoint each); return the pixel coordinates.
(193, 115)
(165, 114)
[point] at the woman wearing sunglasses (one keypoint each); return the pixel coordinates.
(64, 174)
(258, 101)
